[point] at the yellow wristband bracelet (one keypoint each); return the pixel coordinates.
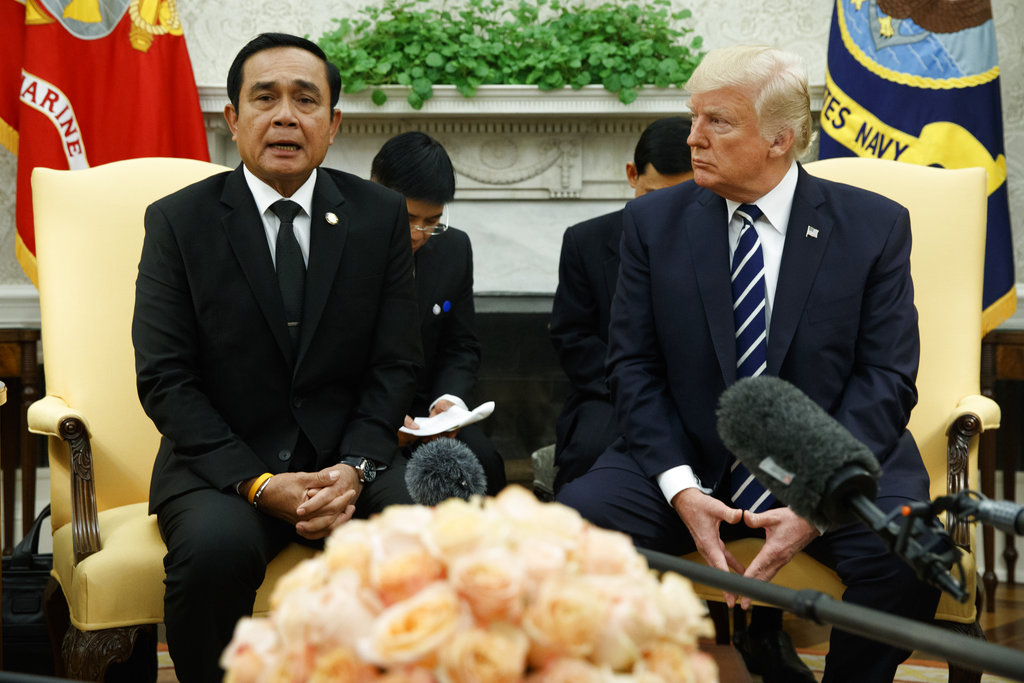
(260, 480)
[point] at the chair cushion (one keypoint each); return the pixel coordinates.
(805, 572)
(123, 584)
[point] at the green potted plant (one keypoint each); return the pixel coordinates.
(534, 42)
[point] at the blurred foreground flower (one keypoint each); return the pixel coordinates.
(494, 590)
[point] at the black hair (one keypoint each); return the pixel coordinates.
(415, 165)
(267, 41)
(663, 145)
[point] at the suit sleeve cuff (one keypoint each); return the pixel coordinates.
(450, 398)
(679, 479)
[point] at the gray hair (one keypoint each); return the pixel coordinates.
(777, 82)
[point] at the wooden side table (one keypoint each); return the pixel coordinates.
(18, 362)
(1002, 357)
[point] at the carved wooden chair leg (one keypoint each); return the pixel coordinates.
(58, 620)
(957, 673)
(88, 654)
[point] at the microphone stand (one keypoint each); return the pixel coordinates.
(973, 653)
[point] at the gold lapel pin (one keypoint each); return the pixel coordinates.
(331, 217)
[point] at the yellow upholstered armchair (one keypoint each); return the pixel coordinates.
(107, 550)
(947, 213)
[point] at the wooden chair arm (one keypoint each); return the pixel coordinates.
(53, 417)
(973, 415)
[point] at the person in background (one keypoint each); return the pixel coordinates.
(587, 271)
(271, 305)
(756, 268)
(418, 167)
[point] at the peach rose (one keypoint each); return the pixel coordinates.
(564, 620)
(686, 615)
(341, 665)
(413, 630)
(349, 547)
(566, 670)
(674, 663)
(309, 573)
(530, 520)
(492, 581)
(253, 647)
(497, 655)
(459, 526)
(327, 617)
(403, 574)
(609, 552)
(633, 619)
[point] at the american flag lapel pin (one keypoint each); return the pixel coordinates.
(811, 232)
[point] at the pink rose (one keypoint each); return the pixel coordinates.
(253, 648)
(327, 617)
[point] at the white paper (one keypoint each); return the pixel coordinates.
(453, 418)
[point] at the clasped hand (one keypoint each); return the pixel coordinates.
(786, 534)
(315, 502)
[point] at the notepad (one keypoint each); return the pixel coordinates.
(453, 418)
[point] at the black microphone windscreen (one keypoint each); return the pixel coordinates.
(444, 468)
(789, 443)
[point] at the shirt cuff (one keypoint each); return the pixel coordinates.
(451, 398)
(679, 479)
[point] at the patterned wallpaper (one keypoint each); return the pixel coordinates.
(215, 31)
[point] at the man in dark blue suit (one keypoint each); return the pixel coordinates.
(587, 271)
(418, 167)
(841, 326)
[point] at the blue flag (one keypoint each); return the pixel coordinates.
(919, 83)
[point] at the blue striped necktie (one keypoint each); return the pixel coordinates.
(748, 295)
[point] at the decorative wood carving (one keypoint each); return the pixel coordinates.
(88, 654)
(958, 445)
(85, 523)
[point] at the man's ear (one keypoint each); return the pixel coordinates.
(231, 116)
(335, 123)
(632, 174)
(782, 143)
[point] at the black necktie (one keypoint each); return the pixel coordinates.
(291, 269)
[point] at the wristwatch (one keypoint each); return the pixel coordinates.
(366, 469)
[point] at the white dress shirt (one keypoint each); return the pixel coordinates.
(771, 228)
(265, 195)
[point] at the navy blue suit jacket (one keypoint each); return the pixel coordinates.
(843, 326)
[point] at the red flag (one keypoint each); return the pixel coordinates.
(98, 82)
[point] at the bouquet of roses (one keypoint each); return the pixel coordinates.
(492, 590)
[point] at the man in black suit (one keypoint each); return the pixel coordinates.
(417, 166)
(825, 270)
(270, 351)
(587, 271)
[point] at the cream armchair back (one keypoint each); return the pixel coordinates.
(107, 549)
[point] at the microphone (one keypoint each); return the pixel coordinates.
(974, 507)
(441, 469)
(822, 472)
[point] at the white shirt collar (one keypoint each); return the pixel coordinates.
(265, 195)
(777, 203)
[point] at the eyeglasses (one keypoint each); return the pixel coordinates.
(436, 229)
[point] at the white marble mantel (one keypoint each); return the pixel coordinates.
(528, 163)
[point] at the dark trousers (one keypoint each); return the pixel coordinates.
(218, 548)
(581, 435)
(615, 494)
(494, 466)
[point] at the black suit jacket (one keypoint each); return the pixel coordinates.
(213, 358)
(843, 326)
(588, 269)
(444, 289)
